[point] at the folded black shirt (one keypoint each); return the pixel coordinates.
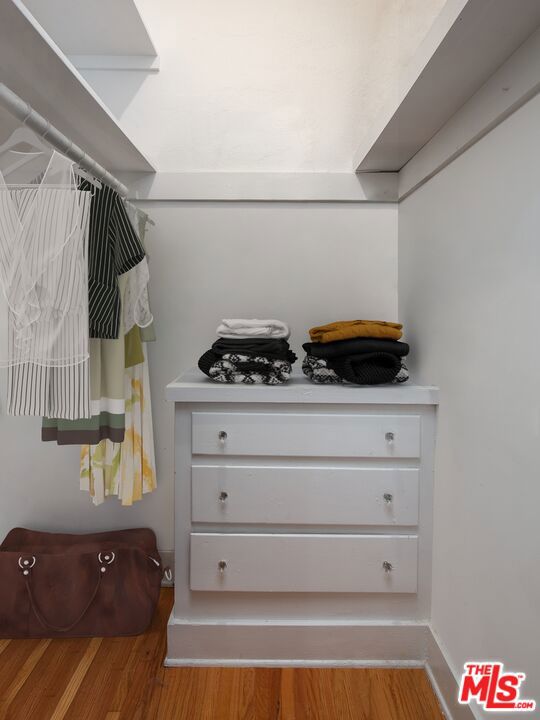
(267, 347)
(356, 346)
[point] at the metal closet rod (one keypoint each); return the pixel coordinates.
(36, 122)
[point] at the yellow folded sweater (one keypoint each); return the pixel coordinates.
(348, 329)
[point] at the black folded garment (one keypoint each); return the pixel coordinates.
(210, 358)
(373, 368)
(207, 360)
(357, 346)
(267, 347)
(242, 368)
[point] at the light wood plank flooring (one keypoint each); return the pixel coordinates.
(123, 679)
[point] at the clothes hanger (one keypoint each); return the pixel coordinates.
(23, 135)
(82, 172)
(87, 176)
(20, 136)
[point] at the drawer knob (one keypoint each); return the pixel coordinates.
(388, 497)
(223, 496)
(222, 435)
(387, 566)
(389, 437)
(222, 565)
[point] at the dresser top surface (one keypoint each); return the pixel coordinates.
(194, 387)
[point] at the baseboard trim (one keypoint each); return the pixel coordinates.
(295, 644)
(251, 644)
(285, 662)
(443, 681)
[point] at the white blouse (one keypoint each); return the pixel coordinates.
(44, 298)
(136, 303)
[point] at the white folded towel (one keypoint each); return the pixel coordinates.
(238, 328)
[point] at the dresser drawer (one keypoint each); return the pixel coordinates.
(303, 563)
(306, 434)
(304, 495)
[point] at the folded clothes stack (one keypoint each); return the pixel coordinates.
(362, 352)
(251, 352)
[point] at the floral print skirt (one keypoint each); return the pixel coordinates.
(126, 470)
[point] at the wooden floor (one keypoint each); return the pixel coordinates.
(123, 679)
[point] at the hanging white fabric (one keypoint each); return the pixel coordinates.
(136, 303)
(44, 292)
(43, 273)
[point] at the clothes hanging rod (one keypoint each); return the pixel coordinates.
(20, 109)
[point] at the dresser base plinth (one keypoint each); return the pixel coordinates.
(279, 644)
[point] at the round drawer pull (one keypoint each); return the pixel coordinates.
(222, 435)
(223, 496)
(389, 437)
(388, 497)
(387, 566)
(222, 565)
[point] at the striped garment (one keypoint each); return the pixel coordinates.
(61, 392)
(107, 406)
(43, 303)
(126, 469)
(114, 248)
(110, 361)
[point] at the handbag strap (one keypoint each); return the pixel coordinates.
(46, 623)
(107, 560)
(26, 567)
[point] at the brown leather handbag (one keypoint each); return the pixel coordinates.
(59, 585)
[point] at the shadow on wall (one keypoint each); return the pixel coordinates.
(121, 88)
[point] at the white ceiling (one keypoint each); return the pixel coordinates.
(94, 27)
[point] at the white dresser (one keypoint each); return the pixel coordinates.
(302, 522)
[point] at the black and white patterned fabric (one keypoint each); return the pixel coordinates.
(317, 370)
(250, 370)
(403, 374)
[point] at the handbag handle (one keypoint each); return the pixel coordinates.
(37, 612)
(49, 625)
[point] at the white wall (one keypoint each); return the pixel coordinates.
(288, 85)
(305, 263)
(251, 86)
(469, 294)
(258, 87)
